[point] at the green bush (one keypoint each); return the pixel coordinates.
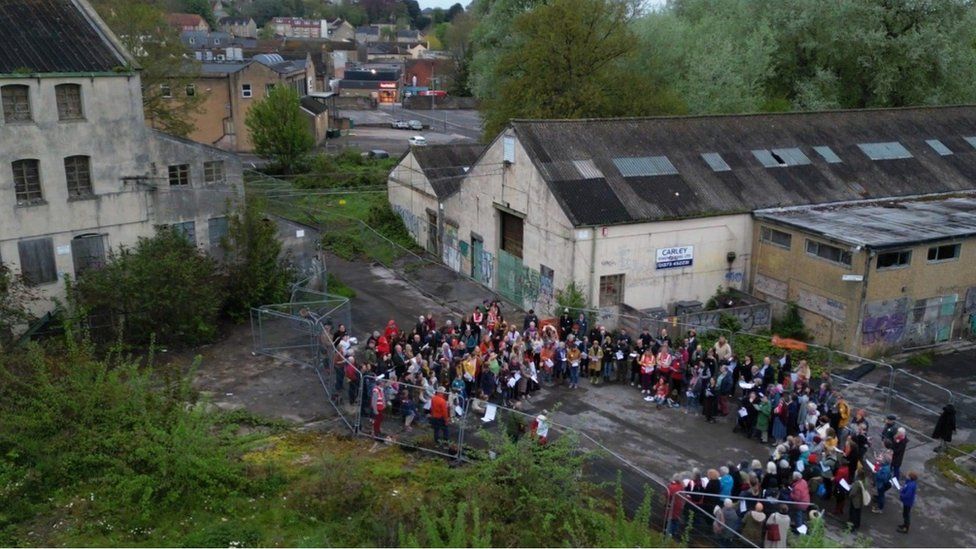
(163, 287)
(107, 436)
(15, 300)
(256, 274)
(791, 325)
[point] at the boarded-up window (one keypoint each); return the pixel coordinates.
(69, 101)
(187, 229)
(27, 181)
(611, 290)
(179, 175)
(77, 172)
(16, 103)
(512, 231)
(217, 227)
(213, 172)
(37, 261)
(88, 253)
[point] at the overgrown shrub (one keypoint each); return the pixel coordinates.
(791, 325)
(163, 287)
(108, 436)
(571, 297)
(256, 273)
(15, 300)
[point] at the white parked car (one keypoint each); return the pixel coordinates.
(401, 125)
(418, 141)
(415, 125)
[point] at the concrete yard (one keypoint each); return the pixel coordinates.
(660, 442)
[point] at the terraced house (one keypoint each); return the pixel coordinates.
(650, 213)
(80, 173)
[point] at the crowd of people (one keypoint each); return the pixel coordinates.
(821, 451)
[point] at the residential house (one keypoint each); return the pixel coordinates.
(409, 36)
(316, 113)
(646, 212)
(321, 52)
(241, 27)
(874, 275)
(341, 31)
(210, 46)
(231, 88)
(80, 173)
(187, 22)
(422, 180)
(297, 27)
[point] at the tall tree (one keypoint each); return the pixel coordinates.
(278, 129)
(743, 55)
(572, 59)
(454, 11)
(167, 71)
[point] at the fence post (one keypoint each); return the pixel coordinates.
(461, 426)
(891, 387)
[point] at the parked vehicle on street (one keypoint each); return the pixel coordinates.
(416, 125)
(418, 141)
(375, 154)
(400, 125)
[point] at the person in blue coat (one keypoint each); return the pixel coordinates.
(907, 495)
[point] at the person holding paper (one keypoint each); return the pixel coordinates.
(882, 480)
(858, 497)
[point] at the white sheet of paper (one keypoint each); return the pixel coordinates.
(459, 410)
(490, 412)
(704, 481)
(742, 506)
(743, 412)
(844, 485)
(895, 484)
(794, 377)
(870, 466)
(511, 382)
(518, 376)
(802, 529)
(799, 466)
(535, 379)
(620, 355)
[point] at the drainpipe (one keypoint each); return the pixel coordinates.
(868, 255)
(593, 284)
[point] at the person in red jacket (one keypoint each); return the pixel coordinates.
(392, 331)
(439, 415)
(673, 527)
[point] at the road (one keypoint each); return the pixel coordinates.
(372, 129)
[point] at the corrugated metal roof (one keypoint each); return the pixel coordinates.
(645, 166)
(445, 165)
(884, 223)
(696, 190)
(45, 36)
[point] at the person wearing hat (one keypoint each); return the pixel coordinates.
(565, 324)
(540, 427)
(439, 416)
(889, 429)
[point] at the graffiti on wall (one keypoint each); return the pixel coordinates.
(751, 317)
(771, 287)
(452, 251)
(884, 321)
(823, 306)
(546, 289)
(411, 221)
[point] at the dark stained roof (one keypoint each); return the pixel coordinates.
(884, 223)
(444, 166)
(604, 196)
(45, 36)
(234, 20)
(313, 105)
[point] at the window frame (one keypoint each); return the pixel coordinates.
(842, 253)
(29, 200)
(49, 253)
(190, 90)
(894, 266)
(221, 225)
(182, 175)
(619, 279)
(16, 117)
(956, 246)
(78, 179)
(247, 91)
(766, 229)
(165, 91)
(62, 102)
(214, 172)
